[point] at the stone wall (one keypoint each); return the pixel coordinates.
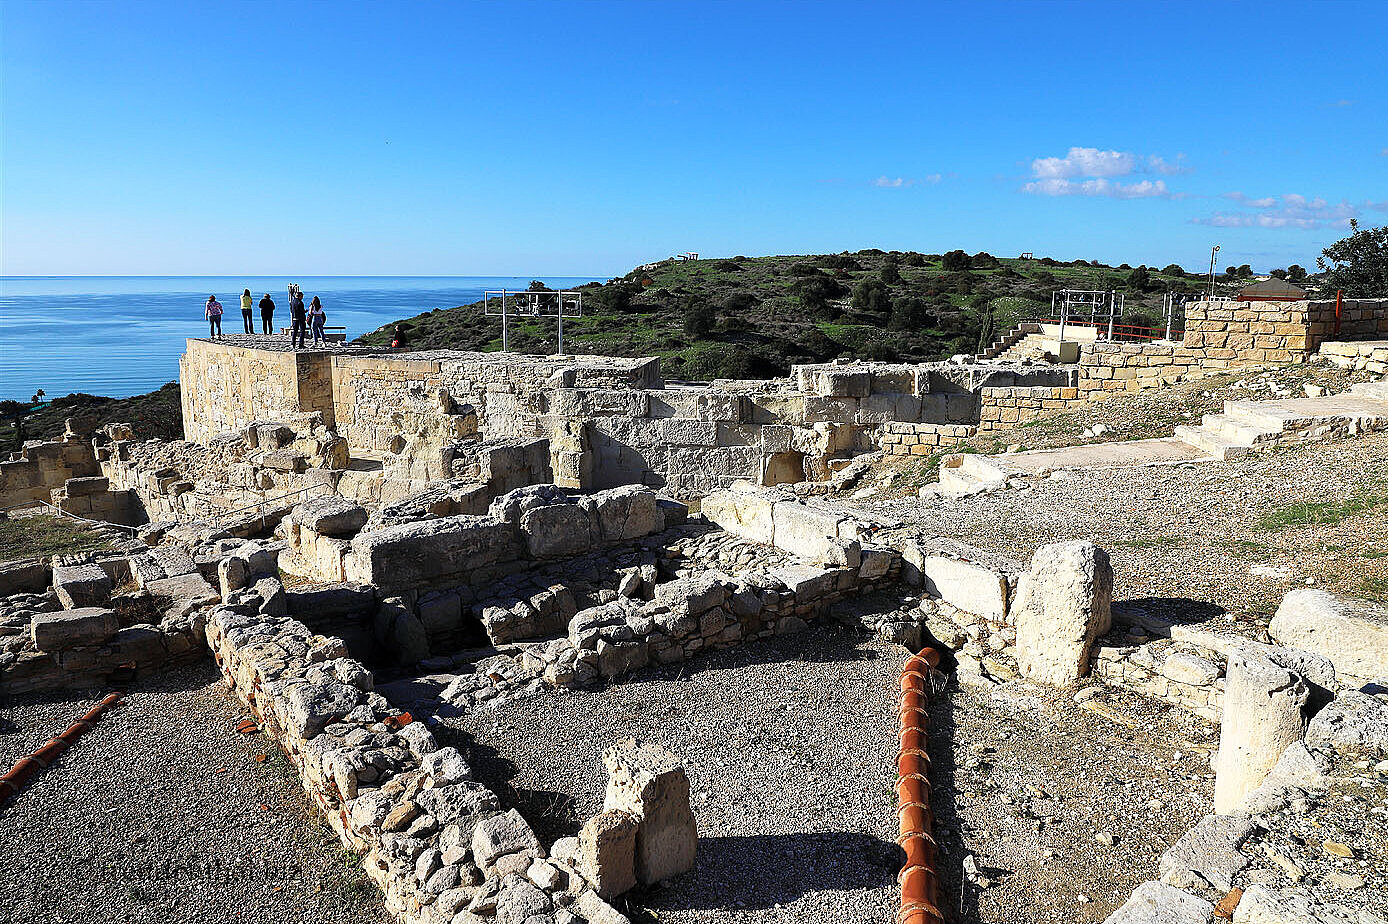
(907, 439)
(1005, 408)
(1371, 355)
(1360, 319)
(225, 387)
(42, 467)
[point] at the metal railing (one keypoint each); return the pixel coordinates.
(1117, 331)
(64, 513)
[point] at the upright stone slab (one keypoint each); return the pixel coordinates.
(1063, 606)
(1263, 714)
(608, 845)
(649, 782)
(1353, 634)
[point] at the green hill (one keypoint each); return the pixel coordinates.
(755, 316)
(158, 414)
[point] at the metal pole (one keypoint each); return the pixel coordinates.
(1170, 308)
(561, 323)
(1213, 251)
(504, 347)
(1112, 304)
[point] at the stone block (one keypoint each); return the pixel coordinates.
(557, 530)
(503, 835)
(82, 487)
(1159, 903)
(608, 845)
(1353, 634)
(1263, 715)
(80, 586)
(627, 512)
(82, 626)
(32, 576)
(331, 515)
(649, 782)
(1063, 606)
(742, 510)
(972, 587)
(1207, 857)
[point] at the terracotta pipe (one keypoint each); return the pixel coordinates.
(27, 767)
(919, 881)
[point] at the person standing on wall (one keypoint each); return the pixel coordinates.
(246, 311)
(267, 313)
(298, 323)
(317, 317)
(213, 310)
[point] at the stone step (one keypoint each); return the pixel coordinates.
(1378, 391)
(1211, 443)
(1234, 431)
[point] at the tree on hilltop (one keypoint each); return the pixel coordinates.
(1358, 264)
(1139, 279)
(956, 260)
(1296, 273)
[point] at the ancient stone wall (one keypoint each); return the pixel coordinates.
(225, 387)
(1360, 319)
(42, 467)
(1371, 355)
(1005, 408)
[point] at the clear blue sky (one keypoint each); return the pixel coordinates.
(576, 138)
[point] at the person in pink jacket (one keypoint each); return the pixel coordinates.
(213, 310)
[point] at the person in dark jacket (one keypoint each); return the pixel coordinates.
(298, 320)
(267, 313)
(399, 342)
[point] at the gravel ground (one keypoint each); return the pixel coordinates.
(790, 747)
(1237, 535)
(161, 813)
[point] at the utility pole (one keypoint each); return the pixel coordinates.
(1214, 250)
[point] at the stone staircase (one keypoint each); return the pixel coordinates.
(1011, 339)
(1248, 426)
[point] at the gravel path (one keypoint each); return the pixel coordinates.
(1234, 534)
(162, 813)
(790, 747)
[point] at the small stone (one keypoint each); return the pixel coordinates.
(1346, 881)
(1105, 838)
(1338, 849)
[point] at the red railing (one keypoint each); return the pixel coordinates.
(1121, 331)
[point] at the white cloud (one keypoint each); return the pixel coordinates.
(1289, 211)
(887, 182)
(1383, 153)
(933, 177)
(1266, 202)
(1090, 162)
(1342, 103)
(1169, 168)
(1099, 186)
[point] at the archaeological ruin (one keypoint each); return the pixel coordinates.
(343, 527)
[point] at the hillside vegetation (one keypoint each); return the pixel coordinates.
(156, 415)
(755, 316)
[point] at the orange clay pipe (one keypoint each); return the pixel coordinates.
(26, 767)
(920, 884)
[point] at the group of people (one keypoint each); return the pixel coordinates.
(302, 320)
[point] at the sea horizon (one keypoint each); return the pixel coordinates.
(60, 330)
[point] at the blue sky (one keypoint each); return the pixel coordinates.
(577, 138)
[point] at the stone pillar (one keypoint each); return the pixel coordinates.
(1063, 606)
(608, 848)
(649, 782)
(1263, 715)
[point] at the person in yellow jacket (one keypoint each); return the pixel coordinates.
(246, 311)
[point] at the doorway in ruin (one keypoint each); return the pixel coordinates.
(783, 468)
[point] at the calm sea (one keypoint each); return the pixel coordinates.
(122, 335)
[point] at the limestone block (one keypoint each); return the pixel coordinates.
(1063, 606)
(186, 592)
(597, 911)
(503, 835)
(1263, 714)
(1261, 904)
(80, 626)
(844, 383)
(143, 644)
(627, 512)
(805, 531)
(691, 595)
(1190, 669)
(25, 576)
(649, 782)
(1207, 857)
(414, 554)
(331, 515)
(806, 582)
(81, 487)
(742, 510)
(1353, 721)
(81, 585)
(1353, 634)
(557, 530)
(680, 431)
(1159, 903)
(972, 587)
(608, 845)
